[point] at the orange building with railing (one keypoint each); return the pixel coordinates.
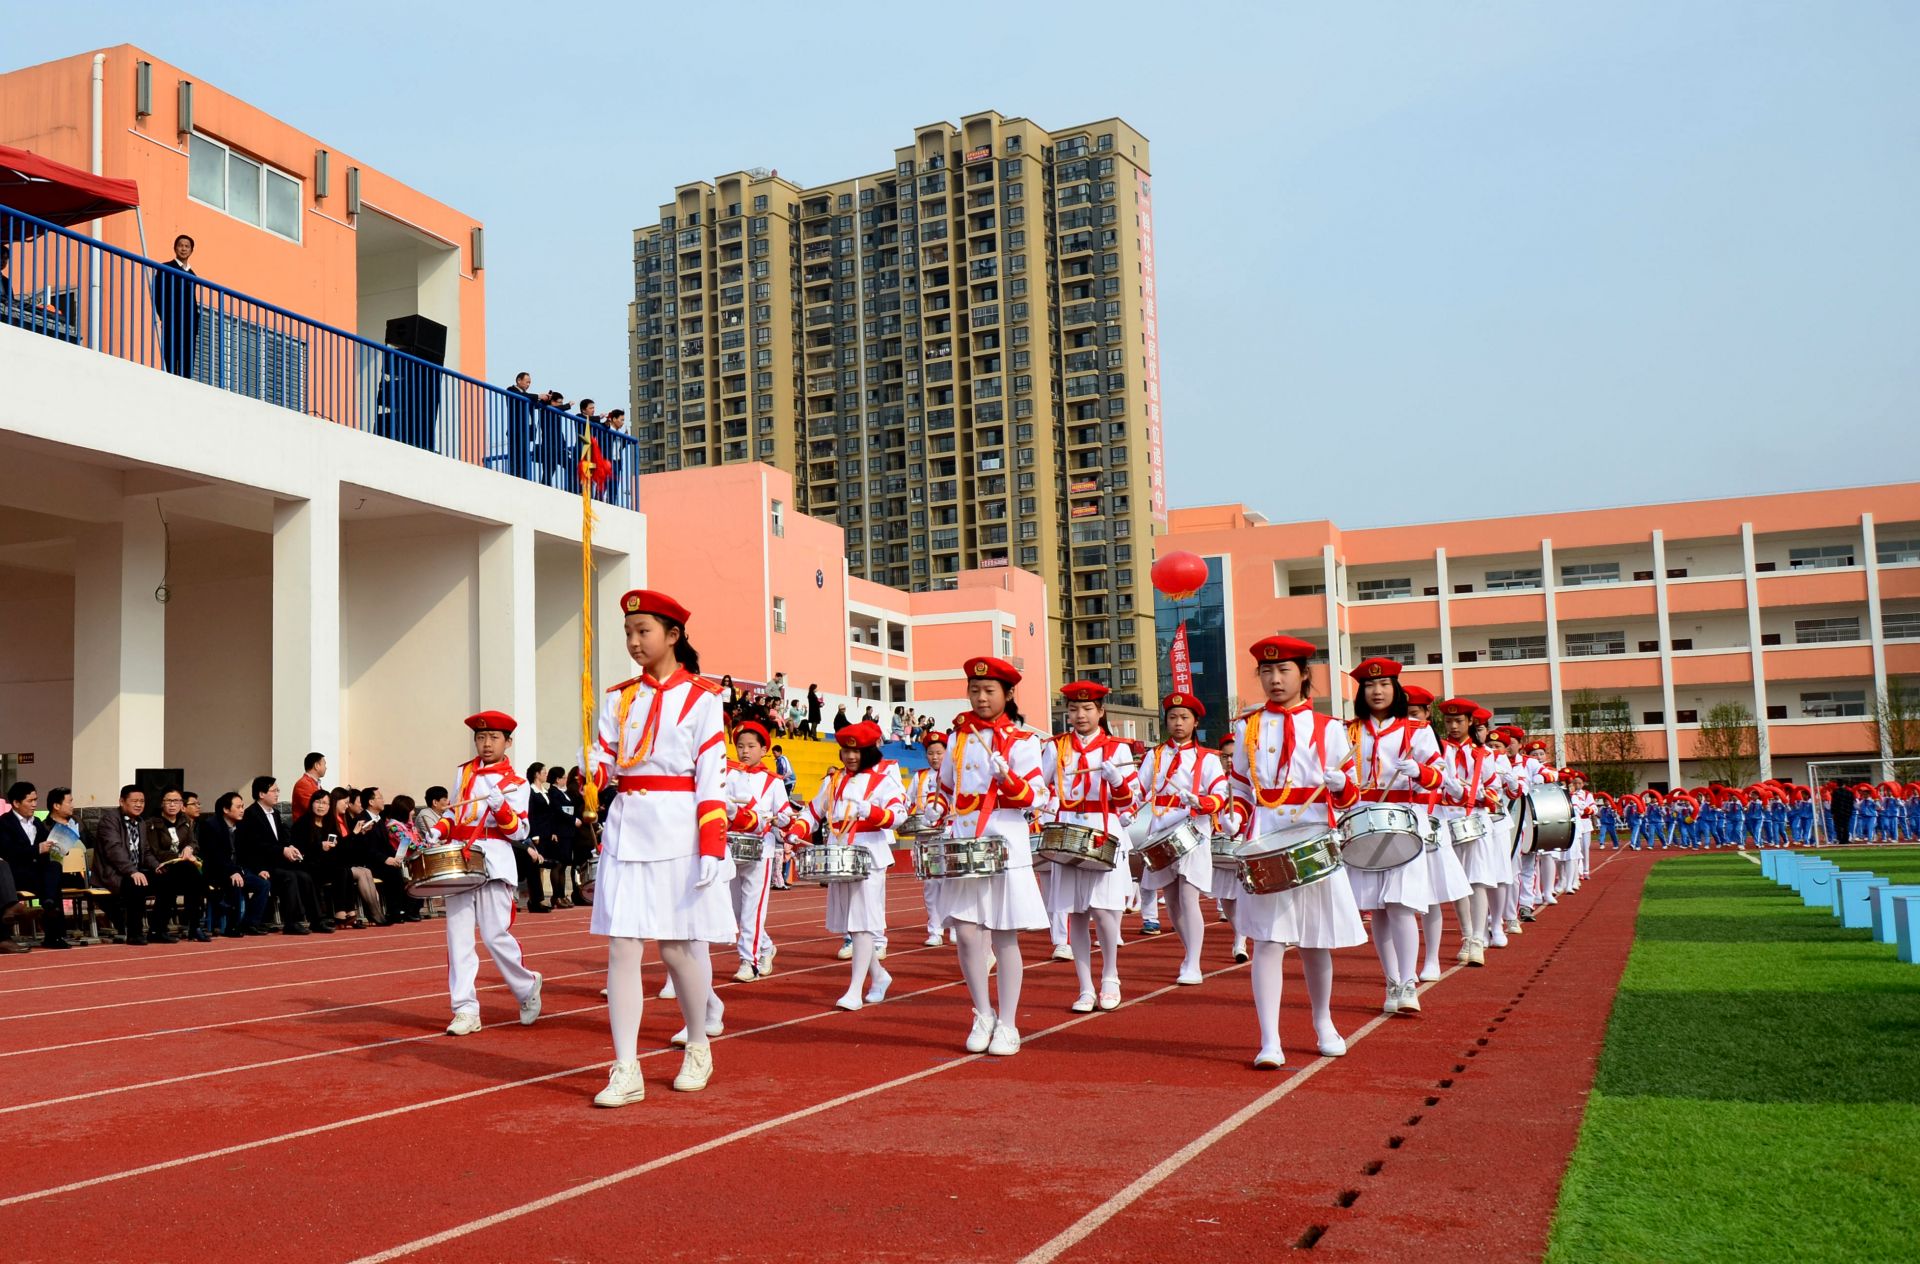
(1802, 607)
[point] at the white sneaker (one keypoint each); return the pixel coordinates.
(667, 993)
(1331, 1044)
(845, 953)
(1190, 978)
(1082, 1004)
(746, 973)
(530, 1008)
(696, 1068)
(1269, 1060)
(463, 1024)
(933, 940)
(880, 951)
(624, 1086)
(1409, 997)
(1005, 1042)
(1430, 974)
(1063, 952)
(1240, 955)
(714, 1026)
(850, 1002)
(877, 992)
(1460, 957)
(766, 960)
(1498, 939)
(981, 1034)
(1110, 994)
(1392, 1004)
(1476, 952)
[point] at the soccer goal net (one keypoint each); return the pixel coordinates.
(1847, 772)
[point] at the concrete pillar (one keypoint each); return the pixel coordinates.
(119, 652)
(1556, 704)
(617, 573)
(1877, 638)
(1663, 630)
(506, 638)
(306, 632)
(1446, 624)
(1762, 727)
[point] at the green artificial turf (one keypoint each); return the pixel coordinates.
(1758, 1096)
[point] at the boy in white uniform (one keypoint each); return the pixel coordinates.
(489, 815)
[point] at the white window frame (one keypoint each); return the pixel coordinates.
(1516, 649)
(1834, 704)
(1582, 644)
(1383, 589)
(778, 518)
(226, 171)
(1817, 557)
(1400, 652)
(779, 614)
(1814, 631)
(1900, 625)
(1577, 574)
(1517, 578)
(1895, 552)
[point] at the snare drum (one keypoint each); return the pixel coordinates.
(1163, 851)
(913, 827)
(589, 873)
(828, 863)
(746, 849)
(1223, 847)
(1078, 846)
(945, 856)
(1466, 830)
(1380, 836)
(1280, 862)
(444, 869)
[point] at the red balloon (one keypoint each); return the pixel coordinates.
(1179, 575)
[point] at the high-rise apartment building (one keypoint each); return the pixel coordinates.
(956, 357)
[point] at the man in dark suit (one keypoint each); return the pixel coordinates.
(177, 309)
(126, 866)
(1842, 804)
(228, 884)
(264, 850)
(30, 861)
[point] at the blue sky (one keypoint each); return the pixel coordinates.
(1545, 255)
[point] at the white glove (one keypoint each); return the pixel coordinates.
(1230, 822)
(1115, 774)
(1453, 786)
(782, 819)
(495, 799)
(999, 765)
(1336, 780)
(711, 867)
(1410, 769)
(1189, 798)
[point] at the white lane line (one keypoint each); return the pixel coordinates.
(310, 1013)
(1082, 1228)
(739, 1134)
(361, 1048)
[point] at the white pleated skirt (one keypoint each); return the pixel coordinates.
(1502, 835)
(1007, 901)
(1446, 876)
(1072, 890)
(1225, 884)
(853, 907)
(656, 899)
(1405, 885)
(1322, 914)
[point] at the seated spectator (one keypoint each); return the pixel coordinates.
(365, 839)
(171, 842)
(30, 862)
(264, 851)
(316, 834)
(126, 865)
(237, 903)
(840, 719)
(429, 816)
(390, 871)
(796, 718)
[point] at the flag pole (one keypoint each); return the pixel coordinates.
(588, 790)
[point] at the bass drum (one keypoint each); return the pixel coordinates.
(1543, 820)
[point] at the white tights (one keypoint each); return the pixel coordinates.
(1183, 906)
(1396, 940)
(977, 944)
(1431, 927)
(692, 972)
(1268, 976)
(1080, 935)
(1474, 924)
(864, 964)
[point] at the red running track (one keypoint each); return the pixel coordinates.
(292, 1099)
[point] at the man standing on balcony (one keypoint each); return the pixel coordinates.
(176, 310)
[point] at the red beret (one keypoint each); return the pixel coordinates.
(934, 737)
(1376, 669)
(1084, 691)
(986, 668)
(1481, 715)
(657, 604)
(1417, 696)
(1187, 700)
(865, 733)
(754, 727)
(1275, 649)
(1536, 744)
(1459, 706)
(499, 721)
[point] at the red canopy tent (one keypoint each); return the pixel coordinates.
(60, 194)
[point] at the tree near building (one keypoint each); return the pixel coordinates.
(1895, 728)
(1601, 742)
(1728, 746)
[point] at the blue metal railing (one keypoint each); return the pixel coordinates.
(63, 285)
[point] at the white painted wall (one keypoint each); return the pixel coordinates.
(219, 628)
(36, 674)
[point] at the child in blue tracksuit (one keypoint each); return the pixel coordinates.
(1756, 819)
(1633, 814)
(1866, 816)
(1609, 823)
(1800, 821)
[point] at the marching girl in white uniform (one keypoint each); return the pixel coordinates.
(990, 778)
(925, 801)
(1392, 770)
(1181, 780)
(1504, 914)
(662, 755)
(1293, 771)
(490, 813)
(1585, 808)
(1547, 883)
(1445, 874)
(1466, 780)
(1094, 784)
(757, 797)
(859, 803)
